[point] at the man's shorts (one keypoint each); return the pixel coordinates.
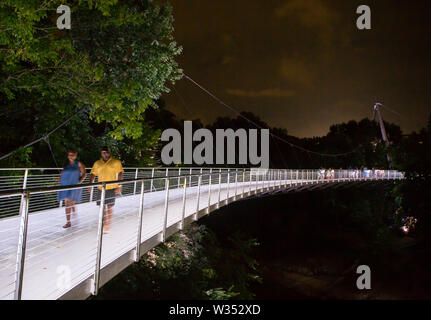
(109, 197)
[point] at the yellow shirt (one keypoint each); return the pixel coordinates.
(107, 171)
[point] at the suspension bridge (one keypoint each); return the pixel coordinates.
(41, 260)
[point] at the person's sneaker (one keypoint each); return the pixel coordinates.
(67, 225)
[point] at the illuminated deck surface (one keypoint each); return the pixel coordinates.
(52, 250)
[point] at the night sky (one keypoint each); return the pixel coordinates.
(302, 64)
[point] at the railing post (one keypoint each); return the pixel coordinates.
(184, 204)
(195, 216)
(228, 185)
(140, 219)
(243, 183)
(259, 174)
(268, 175)
(236, 182)
(24, 185)
(249, 183)
(279, 178)
(179, 177)
(152, 180)
(219, 188)
(190, 181)
(22, 243)
(272, 179)
(91, 194)
(209, 191)
(257, 179)
(276, 178)
(136, 177)
(269, 178)
(96, 279)
(165, 222)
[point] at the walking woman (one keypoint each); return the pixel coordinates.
(73, 173)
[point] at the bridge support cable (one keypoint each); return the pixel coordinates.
(45, 137)
(260, 127)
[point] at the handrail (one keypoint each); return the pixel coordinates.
(94, 184)
(35, 190)
(89, 168)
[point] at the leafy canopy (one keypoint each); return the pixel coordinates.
(115, 60)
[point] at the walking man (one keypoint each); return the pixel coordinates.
(107, 169)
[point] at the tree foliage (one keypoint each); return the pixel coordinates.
(115, 61)
(191, 264)
(413, 157)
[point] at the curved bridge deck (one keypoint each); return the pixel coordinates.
(41, 260)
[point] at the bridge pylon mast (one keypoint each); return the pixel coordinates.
(383, 130)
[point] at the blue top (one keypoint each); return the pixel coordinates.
(70, 176)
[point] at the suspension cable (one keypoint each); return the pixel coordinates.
(45, 136)
(258, 126)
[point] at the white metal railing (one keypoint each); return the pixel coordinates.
(31, 218)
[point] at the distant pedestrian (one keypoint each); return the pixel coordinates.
(321, 174)
(107, 169)
(73, 173)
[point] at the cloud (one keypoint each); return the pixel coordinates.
(315, 16)
(296, 71)
(311, 13)
(265, 93)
